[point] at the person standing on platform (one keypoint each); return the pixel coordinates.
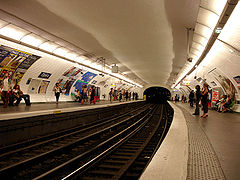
(57, 91)
(197, 98)
(111, 95)
(84, 94)
(126, 95)
(204, 100)
(92, 95)
(6, 90)
(136, 96)
(123, 94)
(191, 98)
(120, 96)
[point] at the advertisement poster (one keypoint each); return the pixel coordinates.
(225, 82)
(68, 78)
(215, 96)
(43, 87)
(237, 79)
(33, 86)
(85, 79)
(15, 62)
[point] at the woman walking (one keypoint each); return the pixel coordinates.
(57, 91)
(205, 100)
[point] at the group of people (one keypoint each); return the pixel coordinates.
(198, 96)
(202, 96)
(79, 96)
(11, 93)
(122, 95)
(224, 103)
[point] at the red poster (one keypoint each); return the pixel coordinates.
(215, 96)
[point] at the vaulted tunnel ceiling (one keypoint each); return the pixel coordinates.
(146, 38)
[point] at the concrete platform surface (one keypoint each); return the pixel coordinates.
(222, 131)
(170, 161)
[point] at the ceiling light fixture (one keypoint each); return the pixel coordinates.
(18, 35)
(33, 40)
(204, 29)
(13, 32)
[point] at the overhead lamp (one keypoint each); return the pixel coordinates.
(79, 59)
(13, 32)
(61, 51)
(208, 17)
(108, 70)
(87, 62)
(71, 55)
(93, 64)
(197, 46)
(203, 30)
(200, 39)
(3, 23)
(49, 46)
(33, 40)
(99, 67)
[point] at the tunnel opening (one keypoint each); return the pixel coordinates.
(157, 95)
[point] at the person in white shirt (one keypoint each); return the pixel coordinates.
(57, 91)
(5, 90)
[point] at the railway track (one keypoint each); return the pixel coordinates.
(115, 148)
(128, 158)
(30, 159)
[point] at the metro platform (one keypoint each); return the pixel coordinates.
(198, 148)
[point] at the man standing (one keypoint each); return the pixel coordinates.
(5, 90)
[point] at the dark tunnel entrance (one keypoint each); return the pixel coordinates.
(157, 95)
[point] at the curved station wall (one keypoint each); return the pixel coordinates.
(37, 73)
(220, 67)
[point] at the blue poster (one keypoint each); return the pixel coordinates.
(88, 76)
(85, 79)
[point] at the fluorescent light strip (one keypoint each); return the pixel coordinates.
(20, 35)
(49, 46)
(205, 31)
(33, 40)
(13, 32)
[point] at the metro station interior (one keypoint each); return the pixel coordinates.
(108, 89)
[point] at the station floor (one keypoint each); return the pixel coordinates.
(198, 148)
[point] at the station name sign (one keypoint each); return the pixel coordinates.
(44, 75)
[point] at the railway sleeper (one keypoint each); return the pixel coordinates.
(100, 171)
(124, 150)
(124, 154)
(114, 161)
